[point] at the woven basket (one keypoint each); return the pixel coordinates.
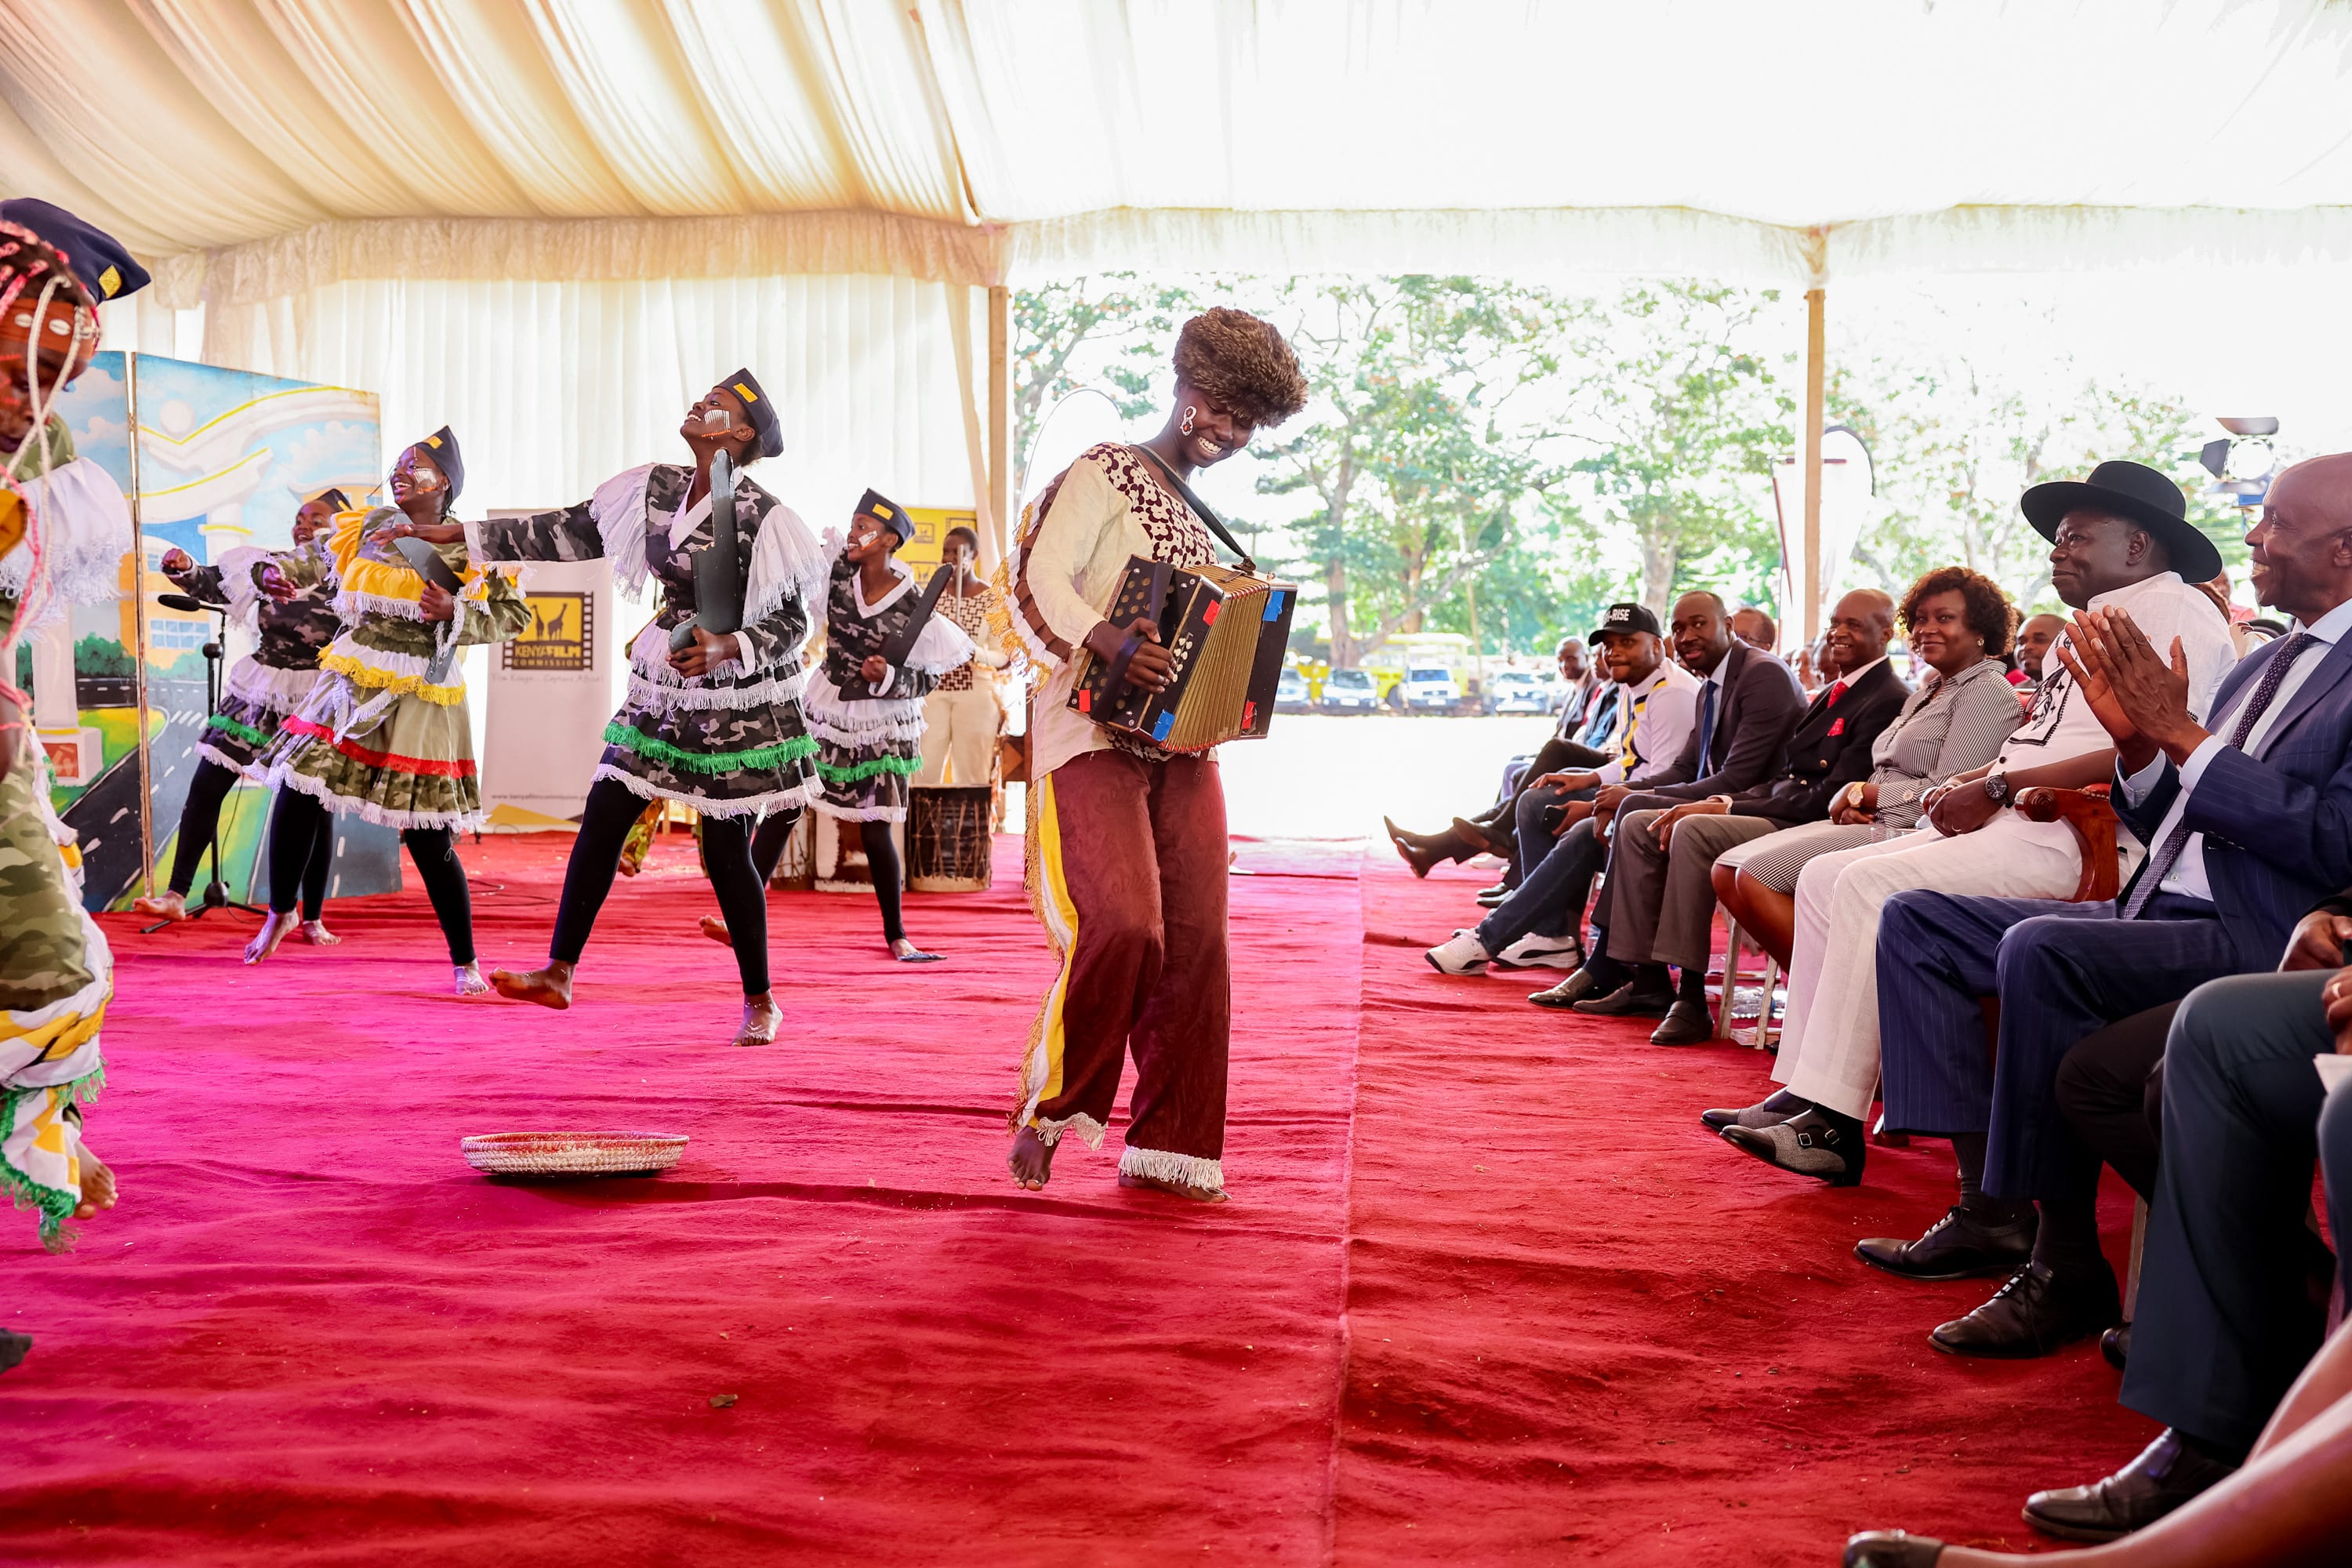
(573, 1153)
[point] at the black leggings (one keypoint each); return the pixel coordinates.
(302, 822)
(768, 843)
(605, 823)
(200, 819)
(882, 863)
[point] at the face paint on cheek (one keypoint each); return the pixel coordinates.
(714, 421)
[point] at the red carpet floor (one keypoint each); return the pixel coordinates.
(1487, 1292)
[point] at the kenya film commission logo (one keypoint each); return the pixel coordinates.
(561, 635)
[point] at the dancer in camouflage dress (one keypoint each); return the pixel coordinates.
(293, 625)
(715, 725)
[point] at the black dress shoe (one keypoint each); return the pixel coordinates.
(2116, 1345)
(1494, 897)
(2167, 1473)
(1484, 836)
(1955, 1248)
(1817, 1143)
(1687, 1023)
(1631, 1000)
(1778, 1106)
(2034, 1314)
(1892, 1548)
(13, 1348)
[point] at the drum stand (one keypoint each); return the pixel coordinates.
(216, 891)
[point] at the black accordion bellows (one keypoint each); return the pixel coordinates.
(1225, 632)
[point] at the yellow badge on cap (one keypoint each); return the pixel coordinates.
(110, 280)
(883, 511)
(746, 393)
(434, 442)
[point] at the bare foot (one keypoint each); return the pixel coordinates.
(716, 929)
(906, 951)
(1183, 1190)
(274, 927)
(468, 979)
(316, 934)
(1030, 1160)
(163, 906)
(550, 987)
(96, 1187)
(762, 1018)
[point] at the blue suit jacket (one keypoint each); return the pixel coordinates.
(2277, 827)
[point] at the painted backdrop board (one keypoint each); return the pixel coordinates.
(224, 458)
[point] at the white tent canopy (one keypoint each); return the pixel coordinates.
(551, 222)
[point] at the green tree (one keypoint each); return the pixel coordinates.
(1111, 329)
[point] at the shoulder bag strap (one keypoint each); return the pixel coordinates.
(1199, 507)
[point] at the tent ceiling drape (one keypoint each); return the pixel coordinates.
(262, 146)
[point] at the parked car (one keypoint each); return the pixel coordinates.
(1429, 689)
(1290, 695)
(1517, 692)
(1350, 691)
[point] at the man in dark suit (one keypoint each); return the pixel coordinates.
(1661, 902)
(2251, 824)
(1750, 704)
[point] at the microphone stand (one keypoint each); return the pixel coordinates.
(216, 891)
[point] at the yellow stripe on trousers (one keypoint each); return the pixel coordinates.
(1041, 1068)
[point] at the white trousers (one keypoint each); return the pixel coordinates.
(960, 730)
(1829, 1040)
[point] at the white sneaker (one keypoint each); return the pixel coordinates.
(1459, 954)
(1534, 952)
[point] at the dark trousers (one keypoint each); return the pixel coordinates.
(2062, 971)
(302, 849)
(2225, 1319)
(1549, 899)
(605, 823)
(302, 831)
(2111, 1091)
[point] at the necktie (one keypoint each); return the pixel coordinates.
(1837, 690)
(1705, 724)
(1632, 722)
(2159, 865)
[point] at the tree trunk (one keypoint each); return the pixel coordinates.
(1335, 587)
(1658, 560)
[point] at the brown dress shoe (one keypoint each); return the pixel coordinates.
(2036, 1314)
(1892, 1548)
(2167, 1473)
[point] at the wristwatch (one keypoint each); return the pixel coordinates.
(1996, 788)
(1854, 794)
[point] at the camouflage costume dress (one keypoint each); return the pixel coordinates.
(384, 733)
(730, 743)
(871, 739)
(267, 686)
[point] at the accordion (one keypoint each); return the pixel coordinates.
(1225, 632)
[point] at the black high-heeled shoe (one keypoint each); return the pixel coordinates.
(1423, 850)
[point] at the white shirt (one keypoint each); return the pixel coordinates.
(1660, 712)
(2061, 724)
(1847, 680)
(2187, 877)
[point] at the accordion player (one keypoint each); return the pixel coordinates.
(1225, 631)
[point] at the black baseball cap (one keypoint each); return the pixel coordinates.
(1626, 619)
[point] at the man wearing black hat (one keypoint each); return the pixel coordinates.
(2119, 542)
(2251, 824)
(713, 720)
(1537, 924)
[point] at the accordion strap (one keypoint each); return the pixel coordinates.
(1200, 507)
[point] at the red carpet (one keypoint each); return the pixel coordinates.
(310, 1335)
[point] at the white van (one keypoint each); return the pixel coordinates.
(1429, 689)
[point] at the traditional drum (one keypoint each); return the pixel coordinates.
(947, 841)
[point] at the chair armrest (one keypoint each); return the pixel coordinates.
(2085, 811)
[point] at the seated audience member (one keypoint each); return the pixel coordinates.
(1957, 623)
(2033, 639)
(1754, 628)
(1748, 709)
(1660, 699)
(2114, 542)
(1585, 721)
(2252, 824)
(1662, 909)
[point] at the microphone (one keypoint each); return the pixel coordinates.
(185, 602)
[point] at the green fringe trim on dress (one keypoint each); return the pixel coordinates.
(630, 738)
(859, 772)
(55, 1203)
(246, 733)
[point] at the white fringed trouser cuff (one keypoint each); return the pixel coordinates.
(1089, 1130)
(1187, 1170)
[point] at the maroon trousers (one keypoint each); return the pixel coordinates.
(1128, 867)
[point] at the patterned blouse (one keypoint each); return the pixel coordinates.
(971, 613)
(1946, 727)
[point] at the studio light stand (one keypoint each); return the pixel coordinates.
(215, 895)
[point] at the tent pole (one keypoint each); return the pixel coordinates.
(1000, 417)
(1810, 595)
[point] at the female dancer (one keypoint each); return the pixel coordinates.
(962, 718)
(385, 733)
(294, 625)
(868, 715)
(716, 725)
(1129, 841)
(55, 973)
